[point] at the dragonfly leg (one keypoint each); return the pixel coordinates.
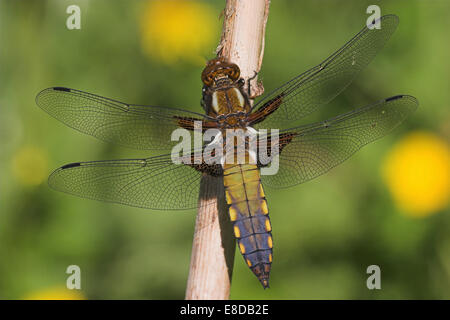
(256, 90)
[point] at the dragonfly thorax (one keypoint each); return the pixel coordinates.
(223, 92)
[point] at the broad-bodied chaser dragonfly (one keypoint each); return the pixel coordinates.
(304, 152)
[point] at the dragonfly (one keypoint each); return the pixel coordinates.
(303, 151)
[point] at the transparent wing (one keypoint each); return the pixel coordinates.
(154, 183)
(134, 126)
(314, 149)
(319, 85)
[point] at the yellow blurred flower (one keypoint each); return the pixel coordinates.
(178, 29)
(57, 293)
(30, 166)
(417, 172)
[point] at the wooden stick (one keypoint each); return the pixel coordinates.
(242, 39)
(214, 245)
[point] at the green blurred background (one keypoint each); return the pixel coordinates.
(326, 232)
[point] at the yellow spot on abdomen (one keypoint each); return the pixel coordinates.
(264, 208)
(269, 242)
(268, 226)
(237, 232)
(249, 263)
(242, 248)
(233, 214)
(228, 197)
(270, 257)
(261, 191)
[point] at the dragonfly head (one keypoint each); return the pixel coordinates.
(219, 72)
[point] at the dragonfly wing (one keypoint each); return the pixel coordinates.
(135, 126)
(319, 85)
(314, 149)
(154, 183)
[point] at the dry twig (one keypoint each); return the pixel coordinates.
(213, 246)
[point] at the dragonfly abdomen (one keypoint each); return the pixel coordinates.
(250, 217)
